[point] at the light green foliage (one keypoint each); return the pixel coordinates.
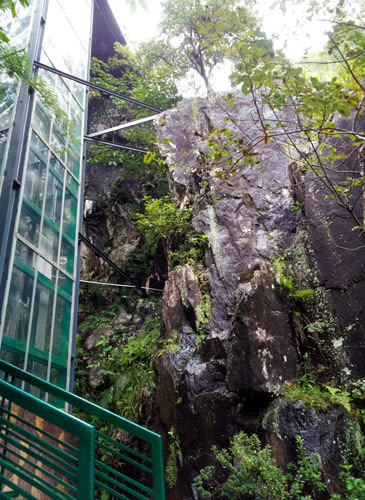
(9, 5)
(130, 372)
(288, 283)
(274, 83)
(173, 456)
(316, 327)
(316, 396)
(252, 471)
(164, 221)
(171, 344)
(203, 311)
(354, 487)
(124, 367)
(197, 35)
(139, 78)
(103, 316)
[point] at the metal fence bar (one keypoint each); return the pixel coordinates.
(20, 491)
(65, 421)
(121, 476)
(111, 481)
(158, 471)
(53, 450)
(82, 404)
(85, 483)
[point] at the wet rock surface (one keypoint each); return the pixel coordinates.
(224, 372)
(254, 342)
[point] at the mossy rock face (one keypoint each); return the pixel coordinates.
(333, 434)
(338, 311)
(338, 254)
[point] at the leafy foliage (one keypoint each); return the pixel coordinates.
(15, 63)
(316, 396)
(314, 136)
(133, 74)
(288, 283)
(197, 35)
(164, 221)
(9, 5)
(125, 367)
(253, 472)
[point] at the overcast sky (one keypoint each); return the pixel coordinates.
(141, 25)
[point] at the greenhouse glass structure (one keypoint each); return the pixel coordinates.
(45, 452)
(41, 178)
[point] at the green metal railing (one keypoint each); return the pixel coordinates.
(85, 463)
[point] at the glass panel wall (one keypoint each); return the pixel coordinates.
(37, 326)
(18, 31)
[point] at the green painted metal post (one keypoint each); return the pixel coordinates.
(85, 479)
(158, 470)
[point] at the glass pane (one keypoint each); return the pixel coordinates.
(12, 356)
(65, 285)
(67, 257)
(69, 55)
(18, 307)
(53, 204)
(63, 94)
(47, 271)
(17, 29)
(78, 14)
(58, 143)
(25, 254)
(61, 328)
(74, 159)
(7, 99)
(42, 318)
(58, 377)
(70, 207)
(49, 242)
(79, 93)
(3, 139)
(29, 222)
(42, 120)
(39, 370)
(36, 171)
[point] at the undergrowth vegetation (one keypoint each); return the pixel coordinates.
(119, 371)
(250, 472)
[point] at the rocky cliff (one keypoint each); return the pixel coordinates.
(274, 308)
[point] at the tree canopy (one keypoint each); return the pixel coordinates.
(197, 35)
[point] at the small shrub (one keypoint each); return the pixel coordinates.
(252, 471)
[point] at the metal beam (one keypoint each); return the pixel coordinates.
(122, 126)
(111, 263)
(115, 145)
(94, 86)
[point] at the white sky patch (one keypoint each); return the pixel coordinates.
(140, 24)
(293, 31)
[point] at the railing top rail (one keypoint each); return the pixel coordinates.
(80, 403)
(38, 407)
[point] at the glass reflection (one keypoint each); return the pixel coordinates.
(18, 307)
